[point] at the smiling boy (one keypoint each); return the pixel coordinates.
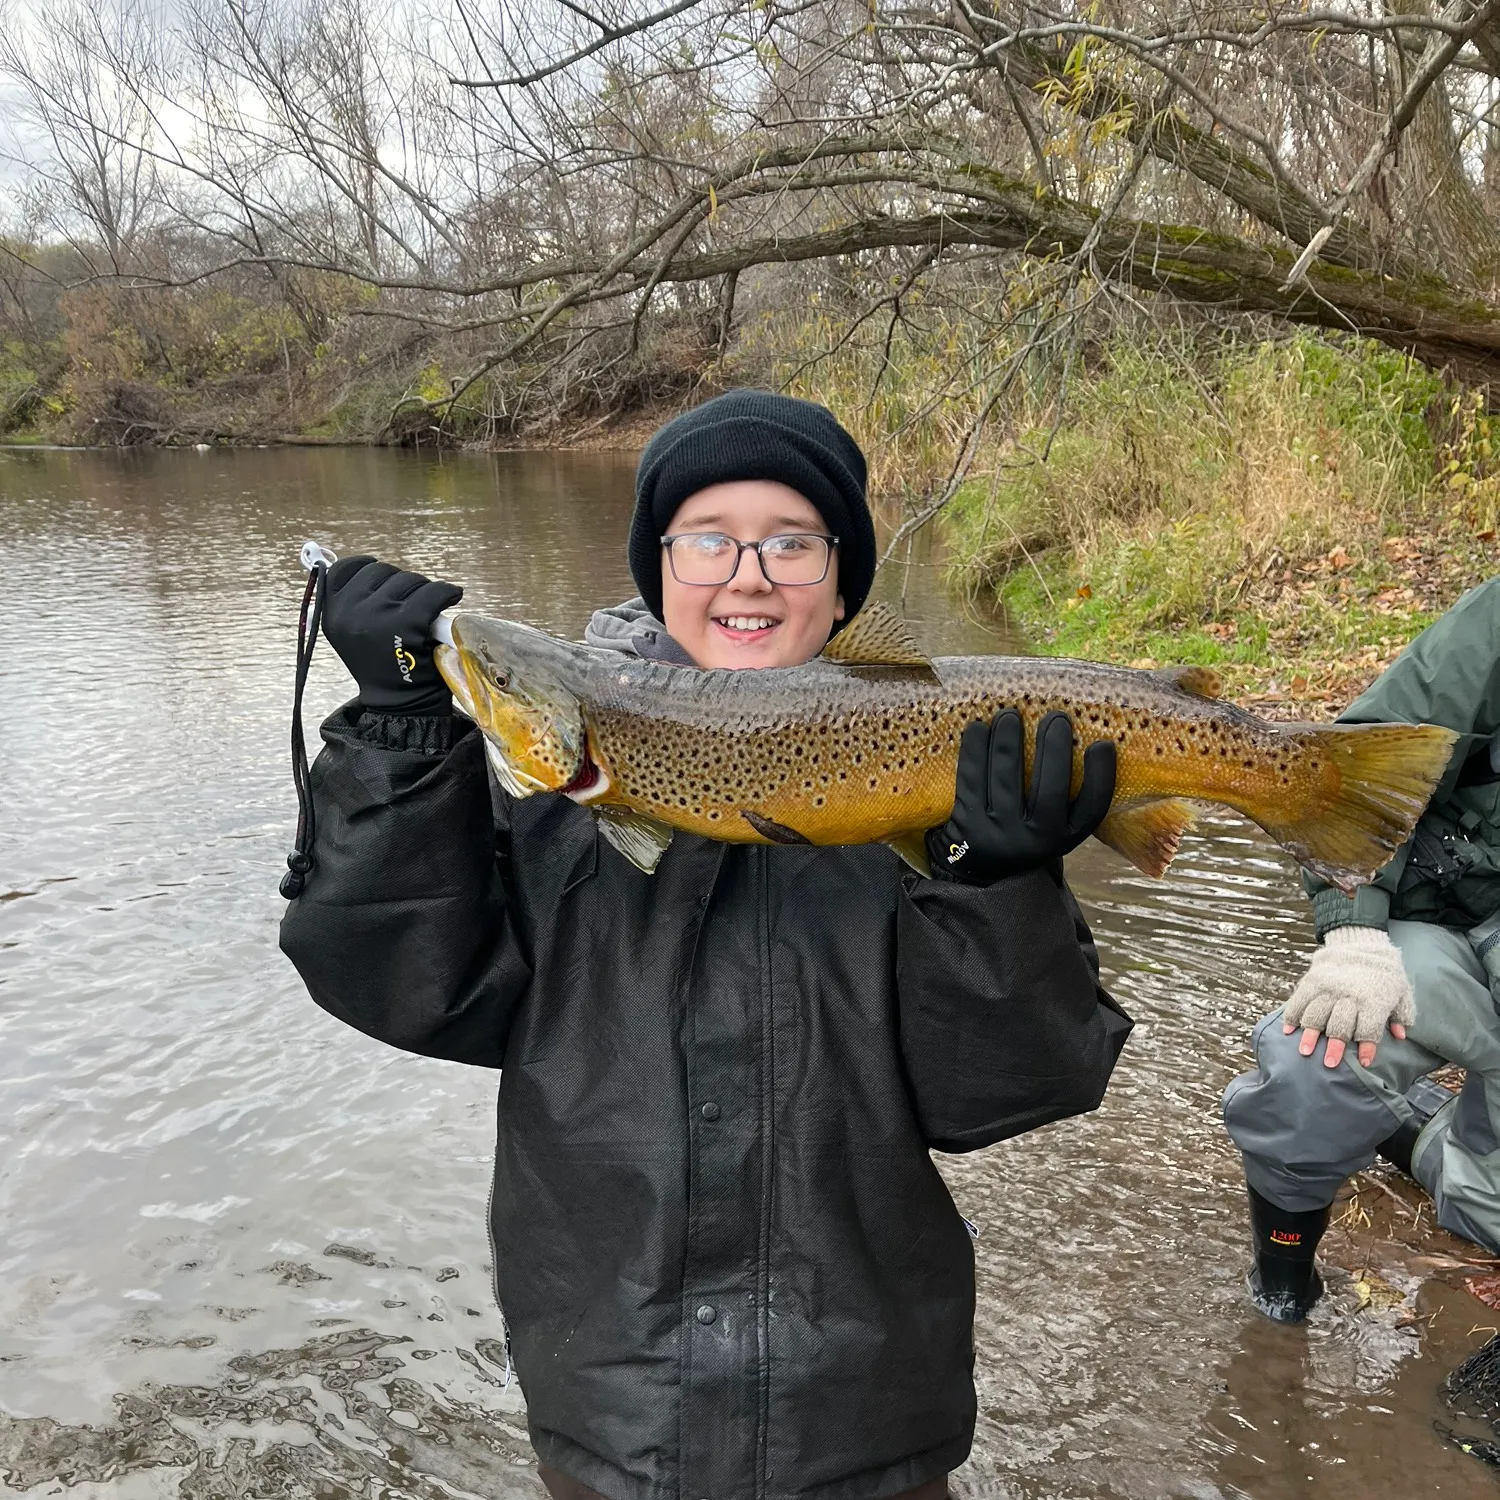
(728, 1266)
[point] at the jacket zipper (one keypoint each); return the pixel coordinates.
(489, 1229)
(767, 1162)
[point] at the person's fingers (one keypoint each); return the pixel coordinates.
(401, 585)
(1052, 765)
(972, 782)
(1309, 1041)
(1311, 1005)
(1345, 1019)
(1006, 760)
(1366, 1054)
(1398, 1031)
(432, 598)
(1091, 805)
(348, 568)
(1333, 1054)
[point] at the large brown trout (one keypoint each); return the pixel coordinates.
(861, 746)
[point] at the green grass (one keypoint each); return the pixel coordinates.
(1284, 507)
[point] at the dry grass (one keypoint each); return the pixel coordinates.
(1290, 512)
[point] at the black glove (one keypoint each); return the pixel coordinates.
(379, 620)
(996, 830)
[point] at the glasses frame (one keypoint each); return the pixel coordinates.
(760, 559)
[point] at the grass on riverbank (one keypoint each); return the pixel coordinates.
(1291, 513)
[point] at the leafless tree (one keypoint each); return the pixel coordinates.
(544, 184)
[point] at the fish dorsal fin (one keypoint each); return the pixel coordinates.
(876, 637)
(1147, 834)
(1201, 682)
(640, 839)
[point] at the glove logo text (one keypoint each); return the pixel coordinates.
(406, 663)
(957, 851)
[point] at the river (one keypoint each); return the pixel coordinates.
(242, 1248)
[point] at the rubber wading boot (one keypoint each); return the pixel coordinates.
(1284, 1282)
(1426, 1099)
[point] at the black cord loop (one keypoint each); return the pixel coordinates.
(300, 861)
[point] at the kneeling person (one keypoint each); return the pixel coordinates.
(1405, 974)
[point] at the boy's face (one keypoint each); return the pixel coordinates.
(748, 621)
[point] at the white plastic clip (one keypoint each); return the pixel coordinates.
(314, 553)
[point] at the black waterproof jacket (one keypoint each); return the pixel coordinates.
(727, 1263)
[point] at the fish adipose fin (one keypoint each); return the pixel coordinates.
(877, 637)
(769, 828)
(640, 839)
(1201, 682)
(912, 847)
(1148, 834)
(1376, 781)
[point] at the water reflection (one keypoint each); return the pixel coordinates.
(244, 1249)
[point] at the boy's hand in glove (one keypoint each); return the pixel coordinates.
(1355, 987)
(379, 620)
(996, 828)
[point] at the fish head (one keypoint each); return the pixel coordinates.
(514, 682)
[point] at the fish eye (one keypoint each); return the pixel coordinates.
(500, 679)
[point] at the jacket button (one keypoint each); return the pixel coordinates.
(710, 1111)
(706, 1314)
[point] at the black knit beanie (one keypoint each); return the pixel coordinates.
(755, 435)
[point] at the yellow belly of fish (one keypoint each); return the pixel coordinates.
(830, 789)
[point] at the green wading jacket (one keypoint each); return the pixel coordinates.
(1449, 871)
(728, 1266)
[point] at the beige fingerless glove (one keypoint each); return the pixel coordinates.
(1354, 988)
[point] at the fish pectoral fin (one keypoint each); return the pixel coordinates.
(877, 637)
(770, 829)
(640, 839)
(506, 774)
(1201, 682)
(912, 847)
(1148, 833)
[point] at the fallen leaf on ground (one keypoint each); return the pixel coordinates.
(1485, 1287)
(1373, 1290)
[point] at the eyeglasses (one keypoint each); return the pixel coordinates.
(792, 558)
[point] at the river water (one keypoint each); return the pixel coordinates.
(242, 1248)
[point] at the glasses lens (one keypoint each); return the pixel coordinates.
(704, 557)
(794, 558)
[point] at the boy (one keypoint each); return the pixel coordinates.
(728, 1267)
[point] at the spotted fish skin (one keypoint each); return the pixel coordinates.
(833, 753)
(858, 754)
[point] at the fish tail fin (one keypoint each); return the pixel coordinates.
(1373, 782)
